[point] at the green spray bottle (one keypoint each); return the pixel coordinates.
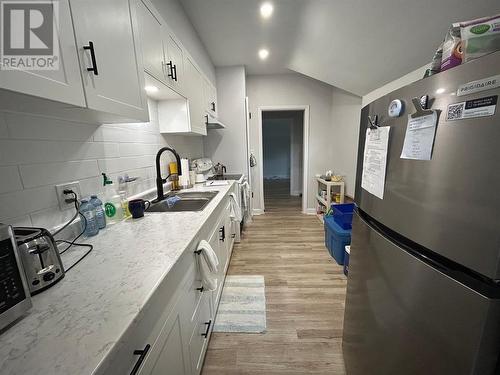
(112, 202)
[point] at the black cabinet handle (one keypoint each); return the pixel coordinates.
(142, 354)
(208, 324)
(170, 72)
(174, 69)
(233, 235)
(206, 119)
(90, 47)
(213, 106)
(222, 232)
(201, 289)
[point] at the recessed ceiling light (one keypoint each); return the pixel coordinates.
(151, 89)
(440, 90)
(266, 10)
(263, 53)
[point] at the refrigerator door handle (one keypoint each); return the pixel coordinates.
(464, 275)
(408, 245)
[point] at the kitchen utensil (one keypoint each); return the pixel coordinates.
(219, 169)
(200, 178)
(40, 257)
(15, 297)
(137, 207)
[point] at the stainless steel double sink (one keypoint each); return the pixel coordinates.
(189, 201)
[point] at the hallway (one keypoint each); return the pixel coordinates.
(305, 292)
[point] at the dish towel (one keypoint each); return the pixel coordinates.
(209, 264)
(246, 193)
(235, 210)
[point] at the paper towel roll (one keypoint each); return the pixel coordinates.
(184, 177)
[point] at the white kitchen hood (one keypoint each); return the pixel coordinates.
(213, 123)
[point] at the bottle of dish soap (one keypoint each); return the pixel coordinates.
(112, 202)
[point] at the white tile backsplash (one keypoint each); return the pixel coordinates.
(22, 126)
(125, 163)
(44, 174)
(11, 180)
(21, 221)
(36, 153)
(110, 133)
(15, 151)
(136, 149)
(89, 150)
(4, 133)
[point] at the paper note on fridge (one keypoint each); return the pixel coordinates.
(375, 160)
(419, 138)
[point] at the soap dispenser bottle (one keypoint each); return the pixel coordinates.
(112, 202)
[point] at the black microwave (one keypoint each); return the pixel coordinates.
(15, 298)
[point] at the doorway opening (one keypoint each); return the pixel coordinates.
(283, 159)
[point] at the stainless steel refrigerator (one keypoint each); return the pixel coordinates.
(423, 294)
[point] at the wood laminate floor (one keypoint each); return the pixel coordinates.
(305, 293)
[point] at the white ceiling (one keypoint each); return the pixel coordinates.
(356, 45)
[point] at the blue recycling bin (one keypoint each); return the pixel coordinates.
(336, 238)
(342, 214)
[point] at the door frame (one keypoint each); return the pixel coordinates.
(305, 148)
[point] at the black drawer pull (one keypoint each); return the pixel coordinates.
(174, 76)
(142, 354)
(208, 324)
(213, 106)
(170, 72)
(233, 235)
(90, 47)
(201, 289)
(222, 232)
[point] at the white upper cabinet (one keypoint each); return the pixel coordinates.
(194, 91)
(210, 97)
(63, 84)
(110, 56)
(175, 64)
(163, 54)
(153, 49)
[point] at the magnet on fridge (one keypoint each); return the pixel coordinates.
(395, 108)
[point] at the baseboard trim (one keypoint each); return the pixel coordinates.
(296, 193)
(257, 211)
(310, 211)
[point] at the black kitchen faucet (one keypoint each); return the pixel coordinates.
(159, 180)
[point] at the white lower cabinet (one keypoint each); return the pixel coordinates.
(167, 353)
(219, 245)
(198, 342)
(171, 336)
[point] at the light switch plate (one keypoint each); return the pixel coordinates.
(61, 197)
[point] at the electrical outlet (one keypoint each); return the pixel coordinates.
(61, 197)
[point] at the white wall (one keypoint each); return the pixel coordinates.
(173, 13)
(36, 153)
(394, 85)
(294, 89)
(346, 110)
(229, 145)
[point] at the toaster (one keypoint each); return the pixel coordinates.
(40, 258)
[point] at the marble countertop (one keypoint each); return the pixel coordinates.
(73, 326)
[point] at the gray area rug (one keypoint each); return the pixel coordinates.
(242, 306)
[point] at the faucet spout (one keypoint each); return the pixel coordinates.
(159, 179)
